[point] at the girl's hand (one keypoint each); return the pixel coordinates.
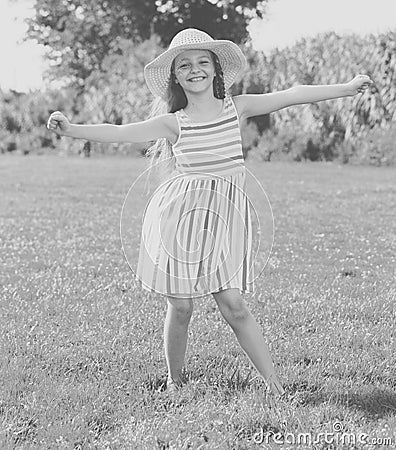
(359, 84)
(58, 123)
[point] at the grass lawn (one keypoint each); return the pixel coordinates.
(82, 357)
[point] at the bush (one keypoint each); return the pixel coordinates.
(318, 60)
(250, 136)
(293, 144)
(377, 147)
(345, 151)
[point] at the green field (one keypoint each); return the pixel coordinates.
(82, 359)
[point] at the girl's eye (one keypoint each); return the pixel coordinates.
(184, 66)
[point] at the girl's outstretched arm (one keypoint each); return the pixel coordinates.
(309, 94)
(258, 104)
(144, 131)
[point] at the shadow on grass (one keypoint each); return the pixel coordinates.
(373, 402)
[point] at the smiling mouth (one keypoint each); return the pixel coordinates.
(195, 79)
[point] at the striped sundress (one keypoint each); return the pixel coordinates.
(197, 232)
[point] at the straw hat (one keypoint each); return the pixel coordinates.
(231, 58)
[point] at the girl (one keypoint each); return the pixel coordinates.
(196, 235)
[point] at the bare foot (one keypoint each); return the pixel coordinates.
(173, 386)
(275, 386)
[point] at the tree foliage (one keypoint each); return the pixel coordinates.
(329, 59)
(118, 92)
(79, 34)
(355, 129)
(23, 119)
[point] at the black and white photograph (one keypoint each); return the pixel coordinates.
(197, 224)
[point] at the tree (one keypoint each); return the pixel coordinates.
(80, 33)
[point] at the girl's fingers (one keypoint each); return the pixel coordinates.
(56, 120)
(56, 116)
(56, 113)
(363, 87)
(53, 123)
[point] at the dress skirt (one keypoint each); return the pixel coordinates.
(197, 237)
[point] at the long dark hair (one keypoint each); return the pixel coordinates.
(176, 99)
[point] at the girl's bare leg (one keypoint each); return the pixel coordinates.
(175, 336)
(249, 335)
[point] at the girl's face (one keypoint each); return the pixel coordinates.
(194, 70)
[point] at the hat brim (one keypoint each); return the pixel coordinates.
(231, 58)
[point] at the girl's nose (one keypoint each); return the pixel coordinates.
(194, 67)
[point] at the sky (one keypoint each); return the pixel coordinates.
(22, 64)
(288, 20)
(285, 22)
